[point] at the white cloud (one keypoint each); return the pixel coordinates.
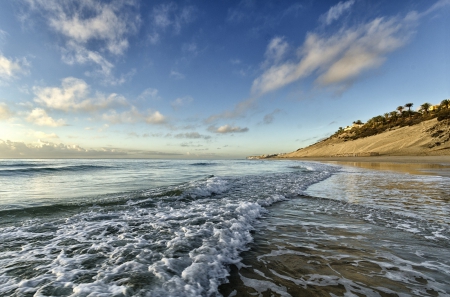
(134, 116)
(46, 149)
(5, 113)
(227, 129)
(180, 102)
(338, 59)
(43, 135)
(10, 69)
(40, 117)
(88, 20)
(74, 95)
(155, 118)
(336, 11)
(91, 29)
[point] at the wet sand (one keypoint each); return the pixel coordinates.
(424, 165)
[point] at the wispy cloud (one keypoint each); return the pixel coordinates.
(40, 117)
(336, 11)
(5, 113)
(177, 75)
(227, 129)
(10, 68)
(238, 111)
(181, 102)
(74, 95)
(170, 16)
(268, 118)
(133, 115)
(149, 93)
(338, 59)
(91, 29)
(192, 135)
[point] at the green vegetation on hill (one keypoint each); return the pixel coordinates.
(402, 116)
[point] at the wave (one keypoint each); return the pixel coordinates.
(39, 169)
(203, 164)
(172, 241)
(15, 164)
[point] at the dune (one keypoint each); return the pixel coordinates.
(429, 138)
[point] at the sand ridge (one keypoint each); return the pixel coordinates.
(429, 138)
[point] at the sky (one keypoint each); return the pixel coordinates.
(209, 79)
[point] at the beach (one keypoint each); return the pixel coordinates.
(434, 165)
(223, 228)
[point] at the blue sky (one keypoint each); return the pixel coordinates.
(209, 79)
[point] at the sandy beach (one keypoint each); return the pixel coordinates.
(427, 165)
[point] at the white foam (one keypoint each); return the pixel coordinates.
(168, 246)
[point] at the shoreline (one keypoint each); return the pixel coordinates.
(419, 165)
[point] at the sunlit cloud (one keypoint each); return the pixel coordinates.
(40, 117)
(5, 113)
(74, 95)
(43, 135)
(227, 129)
(338, 59)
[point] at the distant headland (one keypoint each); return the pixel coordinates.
(403, 132)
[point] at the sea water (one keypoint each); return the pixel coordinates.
(220, 228)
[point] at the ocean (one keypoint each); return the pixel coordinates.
(220, 228)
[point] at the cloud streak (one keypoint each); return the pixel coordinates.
(225, 129)
(338, 59)
(336, 11)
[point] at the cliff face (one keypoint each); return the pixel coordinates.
(427, 138)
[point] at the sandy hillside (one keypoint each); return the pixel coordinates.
(427, 138)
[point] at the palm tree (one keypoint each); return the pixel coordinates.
(393, 114)
(409, 105)
(425, 107)
(400, 109)
(445, 102)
